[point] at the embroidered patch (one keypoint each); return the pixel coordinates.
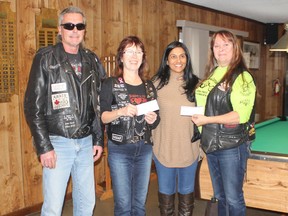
(57, 87)
(60, 101)
(69, 121)
(117, 137)
(123, 96)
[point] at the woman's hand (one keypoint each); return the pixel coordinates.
(230, 118)
(130, 110)
(199, 120)
(150, 117)
(109, 116)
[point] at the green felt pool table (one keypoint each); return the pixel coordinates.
(266, 182)
(271, 140)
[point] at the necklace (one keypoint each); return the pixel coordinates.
(140, 122)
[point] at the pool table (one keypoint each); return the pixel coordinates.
(266, 182)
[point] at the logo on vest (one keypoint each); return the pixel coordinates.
(117, 137)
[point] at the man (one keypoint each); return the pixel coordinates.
(62, 109)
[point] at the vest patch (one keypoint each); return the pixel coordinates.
(117, 137)
(60, 101)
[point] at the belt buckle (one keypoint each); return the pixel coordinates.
(85, 130)
(136, 139)
(81, 132)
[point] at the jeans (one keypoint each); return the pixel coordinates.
(75, 157)
(168, 177)
(130, 166)
(227, 169)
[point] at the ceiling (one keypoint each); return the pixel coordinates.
(265, 11)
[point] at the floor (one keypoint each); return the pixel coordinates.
(105, 208)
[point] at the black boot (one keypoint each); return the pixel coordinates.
(185, 204)
(166, 204)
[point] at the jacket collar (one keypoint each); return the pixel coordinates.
(61, 55)
(62, 58)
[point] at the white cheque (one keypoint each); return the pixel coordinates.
(144, 108)
(189, 111)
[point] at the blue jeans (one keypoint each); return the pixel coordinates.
(130, 166)
(168, 177)
(75, 157)
(227, 169)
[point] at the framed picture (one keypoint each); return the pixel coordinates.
(251, 52)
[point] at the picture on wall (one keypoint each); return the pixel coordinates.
(251, 52)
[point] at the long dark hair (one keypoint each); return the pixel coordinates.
(163, 73)
(127, 42)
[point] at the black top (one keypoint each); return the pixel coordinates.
(137, 95)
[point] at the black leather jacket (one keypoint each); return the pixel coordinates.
(121, 130)
(58, 103)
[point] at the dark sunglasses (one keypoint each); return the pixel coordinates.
(71, 26)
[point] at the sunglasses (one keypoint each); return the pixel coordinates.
(71, 26)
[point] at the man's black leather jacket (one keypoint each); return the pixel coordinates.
(58, 103)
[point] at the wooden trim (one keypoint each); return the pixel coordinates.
(33, 209)
(214, 11)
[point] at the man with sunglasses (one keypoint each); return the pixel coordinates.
(62, 110)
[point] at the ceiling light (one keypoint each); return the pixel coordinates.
(282, 44)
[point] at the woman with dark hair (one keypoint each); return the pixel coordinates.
(228, 95)
(175, 155)
(129, 134)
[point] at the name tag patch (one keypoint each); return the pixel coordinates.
(60, 101)
(57, 87)
(117, 137)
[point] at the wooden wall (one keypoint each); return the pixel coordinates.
(108, 22)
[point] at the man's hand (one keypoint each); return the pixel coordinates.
(97, 152)
(49, 159)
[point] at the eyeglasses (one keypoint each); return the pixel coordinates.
(71, 26)
(132, 52)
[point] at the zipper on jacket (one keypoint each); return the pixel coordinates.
(81, 94)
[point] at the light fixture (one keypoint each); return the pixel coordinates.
(282, 44)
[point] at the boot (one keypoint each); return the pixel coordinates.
(166, 204)
(185, 204)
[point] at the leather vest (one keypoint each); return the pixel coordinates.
(221, 136)
(121, 130)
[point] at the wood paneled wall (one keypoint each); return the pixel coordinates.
(154, 21)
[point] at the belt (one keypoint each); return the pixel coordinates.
(137, 139)
(82, 132)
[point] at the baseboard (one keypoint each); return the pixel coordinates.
(26, 211)
(32, 209)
